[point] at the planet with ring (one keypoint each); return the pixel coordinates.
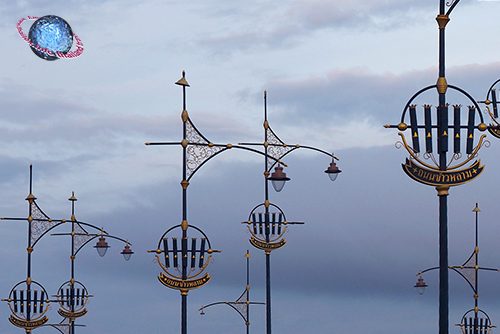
(51, 37)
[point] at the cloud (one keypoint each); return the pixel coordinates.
(358, 93)
(281, 27)
(313, 15)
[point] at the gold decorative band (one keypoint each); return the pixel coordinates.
(183, 284)
(72, 315)
(27, 324)
(267, 246)
(442, 178)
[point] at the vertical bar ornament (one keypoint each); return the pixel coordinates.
(443, 128)
(494, 101)
(428, 128)
(456, 128)
(414, 128)
(470, 130)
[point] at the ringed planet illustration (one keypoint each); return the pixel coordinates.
(51, 37)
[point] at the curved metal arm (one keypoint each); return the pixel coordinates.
(458, 272)
(93, 236)
(227, 148)
(491, 87)
(177, 226)
(454, 3)
(61, 325)
(434, 86)
(234, 308)
(470, 98)
(306, 147)
(227, 303)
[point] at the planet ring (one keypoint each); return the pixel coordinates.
(68, 55)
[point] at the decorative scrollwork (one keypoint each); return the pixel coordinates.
(414, 153)
(277, 148)
(272, 237)
(468, 270)
(492, 116)
(41, 223)
(197, 154)
(240, 304)
(81, 237)
(429, 155)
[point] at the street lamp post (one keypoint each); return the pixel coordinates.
(475, 320)
(242, 304)
(183, 266)
(72, 295)
(30, 305)
(440, 171)
(267, 228)
(197, 151)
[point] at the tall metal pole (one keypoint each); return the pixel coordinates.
(444, 173)
(184, 293)
(30, 246)
(476, 285)
(268, 252)
(443, 190)
(72, 287)
(248, 292)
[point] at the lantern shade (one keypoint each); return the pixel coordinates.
(278, 178)
(333, 171)
(420, 286)
(101, 246)
(127, 252)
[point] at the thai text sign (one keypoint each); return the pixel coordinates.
(267, 246)
(441, 178)
(72, 315)
(183, 284)
(27, 324)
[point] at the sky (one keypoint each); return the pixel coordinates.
(335, 72)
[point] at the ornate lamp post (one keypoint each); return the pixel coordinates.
(439, 171)
(268, 227)
(29, 305)
(242, 304)
(475, 320)
(198, 150)
(72, 295)
(183, 266)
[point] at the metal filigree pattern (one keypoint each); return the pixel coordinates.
(41, 223)
(63, 326)
(468, 270)
(81, 237)
(277, 148)
(241, 304)
(197, 154)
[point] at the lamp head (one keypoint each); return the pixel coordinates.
(101, 246)
(333, 171)
(278, 178)
(420, 286)
(127, 252)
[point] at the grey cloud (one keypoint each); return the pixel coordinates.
(314, 15)
(358, 93)
(275, 27)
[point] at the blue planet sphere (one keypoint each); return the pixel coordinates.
(51, 33)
